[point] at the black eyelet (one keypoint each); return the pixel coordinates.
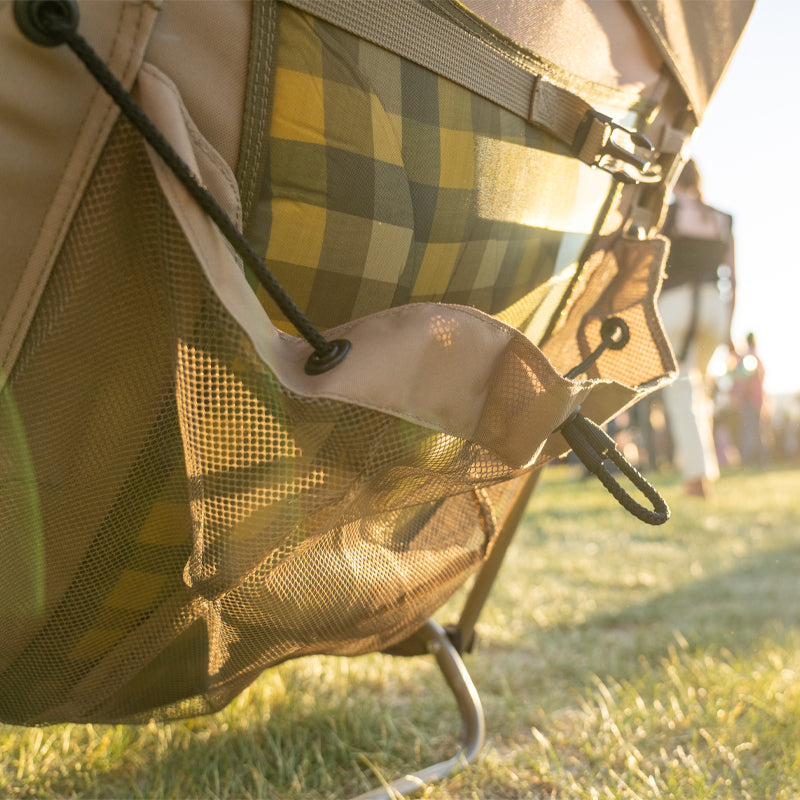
(615, 333)
(326, 360)
(32, 18)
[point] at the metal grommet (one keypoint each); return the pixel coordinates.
(319, 362)
(615, 333)
(33, 19)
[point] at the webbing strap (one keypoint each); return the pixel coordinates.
(408, 29)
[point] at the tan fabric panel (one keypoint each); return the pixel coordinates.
(204, 46)
(55, 120)
(697, 39)
(618, 51)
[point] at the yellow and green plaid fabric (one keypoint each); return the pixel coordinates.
(387, 184)
(176, 520)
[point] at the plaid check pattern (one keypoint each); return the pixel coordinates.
(388, 185)
(195, 522)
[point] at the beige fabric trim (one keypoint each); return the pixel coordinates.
(205, 47)
(55, 122)
(440, 366)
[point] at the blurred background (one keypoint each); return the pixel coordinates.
(744, 151)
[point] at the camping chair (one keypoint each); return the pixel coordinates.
(197, 482)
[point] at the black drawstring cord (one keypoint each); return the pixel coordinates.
(53, 22)
(594, 447)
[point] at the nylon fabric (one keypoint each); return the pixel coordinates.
(697, 41)
(551, 30)
(182, 507)
(199, 47)
(391, 185)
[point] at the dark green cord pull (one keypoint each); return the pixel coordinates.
(594, 447)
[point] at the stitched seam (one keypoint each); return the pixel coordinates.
(195, 135)
(15, 343)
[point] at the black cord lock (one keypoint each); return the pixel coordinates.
(595, 448)
(323, 360)
(35, 19)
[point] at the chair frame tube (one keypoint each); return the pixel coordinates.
(473, 735)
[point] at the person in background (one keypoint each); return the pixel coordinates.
(696, 307)
(749, 400)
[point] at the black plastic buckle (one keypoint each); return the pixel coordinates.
(612, 147)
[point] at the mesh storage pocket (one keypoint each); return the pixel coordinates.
(199, 522)
(93, 390)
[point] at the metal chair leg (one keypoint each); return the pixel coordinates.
(469, 704)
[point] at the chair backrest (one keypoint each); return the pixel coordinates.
(182, 504)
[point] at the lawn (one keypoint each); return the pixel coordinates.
(615, 660)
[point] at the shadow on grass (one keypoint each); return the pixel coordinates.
(316, 740)
(737, 610)
(311, 743)
(321, 747)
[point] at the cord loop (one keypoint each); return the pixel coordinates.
(614, 335)
(594, 447)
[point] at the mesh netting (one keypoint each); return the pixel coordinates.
(174, 519)
(180, 520)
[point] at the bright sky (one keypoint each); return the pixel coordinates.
(744, 149)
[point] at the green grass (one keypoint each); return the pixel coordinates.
(615, 660)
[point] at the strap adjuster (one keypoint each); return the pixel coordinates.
(603, 143)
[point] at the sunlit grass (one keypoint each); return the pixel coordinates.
(615, 660)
